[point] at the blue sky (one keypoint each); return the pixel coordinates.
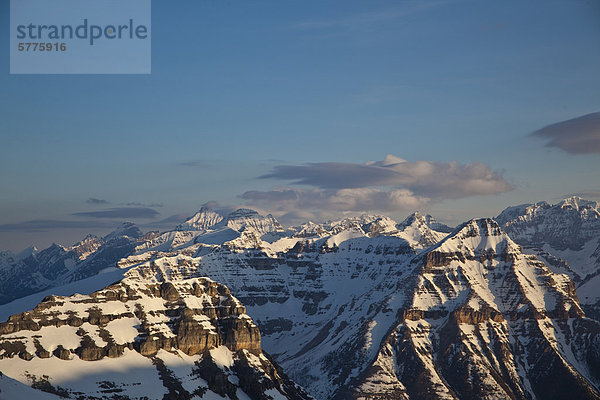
(239, 88)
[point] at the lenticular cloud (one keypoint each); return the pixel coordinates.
(579, 135)
(391, 184)
(429, 178)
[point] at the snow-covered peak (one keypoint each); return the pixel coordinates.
(201, 221)
(475, 236)
(417, 230)
(579, 204)
(428, 220)
(481, 227)
(309, 229)
(486, 266)
(243, 219)
(86, 240)
(87, 246)
(574, 206)
(380, 225)
(520, 211)
(412, 218)
(242, 213)
(566, 225)
(127, 229)
(362, 219)
(368, 223)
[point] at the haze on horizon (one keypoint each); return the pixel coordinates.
(308, 110)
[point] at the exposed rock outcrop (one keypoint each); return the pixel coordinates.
(196, 320)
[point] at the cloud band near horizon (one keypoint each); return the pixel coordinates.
(392, 184)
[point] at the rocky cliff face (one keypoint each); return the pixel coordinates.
(160, 329)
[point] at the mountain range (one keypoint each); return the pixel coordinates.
(235, 305)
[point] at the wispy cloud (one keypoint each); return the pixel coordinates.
(120, 212)
(579, 135)
(195, 163)
(93, 200)
(138, 204)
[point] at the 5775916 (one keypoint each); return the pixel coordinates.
(43, 46)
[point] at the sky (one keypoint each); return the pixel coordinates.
(309, 110)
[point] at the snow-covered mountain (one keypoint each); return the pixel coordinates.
(238, 220)
(569, 230)
(201, 221)
(418, 230)
(366, 307)
(142, 339)
(32, 271)
(422, 230)
(478, 319)
(566, 236)
(351, 315)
